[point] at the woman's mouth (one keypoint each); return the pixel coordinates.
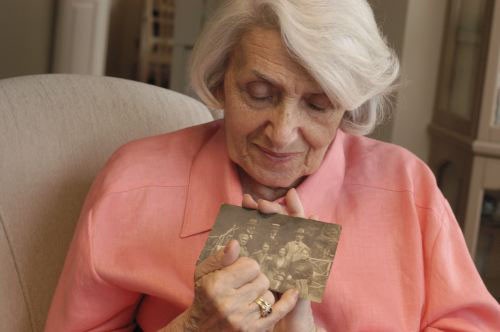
(277, 156)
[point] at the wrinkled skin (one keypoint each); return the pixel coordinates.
(278, 121)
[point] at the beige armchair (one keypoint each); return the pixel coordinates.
(56, 131)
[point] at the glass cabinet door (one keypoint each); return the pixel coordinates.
(488, 246)
(497, 117)
(491, 109)
(463, 65)
(469, 31)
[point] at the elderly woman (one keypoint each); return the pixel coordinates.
(299, 81)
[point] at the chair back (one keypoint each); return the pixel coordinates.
(56, 132)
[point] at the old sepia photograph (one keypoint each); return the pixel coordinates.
(292, 252)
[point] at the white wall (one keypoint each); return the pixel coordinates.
(419, 73)
(25, 36)
(414, 28)
(391, 17)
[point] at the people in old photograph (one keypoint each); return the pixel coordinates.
(292, 252)
(243, 239)
(300, 276)
(297, 249)
(277, 281)
(273, 237)
(277, 267)
(325, 244)
(263, 257)
(250, 230)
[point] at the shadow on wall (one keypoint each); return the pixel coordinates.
(26, 36)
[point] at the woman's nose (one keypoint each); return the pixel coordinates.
(283, 126)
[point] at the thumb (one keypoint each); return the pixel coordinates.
(219, 260)
(303, 305)
(301, 316)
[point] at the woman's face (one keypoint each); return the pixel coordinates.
(279, 122)
(243, 239)
(282, 252)
(299, 237)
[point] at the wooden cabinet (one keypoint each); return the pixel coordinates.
(465, 130)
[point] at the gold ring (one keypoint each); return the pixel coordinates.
(265, 308)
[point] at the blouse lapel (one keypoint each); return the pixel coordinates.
(213, 181)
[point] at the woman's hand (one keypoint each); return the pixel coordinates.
(226, 288)
(301, 317)
(293, 206)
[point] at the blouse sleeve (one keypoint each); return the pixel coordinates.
(456, 297)
(83, 301)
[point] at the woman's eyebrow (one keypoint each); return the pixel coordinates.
(266, 78)
(277, 84)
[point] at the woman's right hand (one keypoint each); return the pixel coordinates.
(226, 287)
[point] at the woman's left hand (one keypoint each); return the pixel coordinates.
(301, 317)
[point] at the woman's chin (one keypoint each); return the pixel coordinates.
(273, 180)
(259, 177)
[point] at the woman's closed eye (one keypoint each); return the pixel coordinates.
(318, 102)
(259, 91)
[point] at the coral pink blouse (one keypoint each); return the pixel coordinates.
(401, 263)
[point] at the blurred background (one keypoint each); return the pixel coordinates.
(446, 111)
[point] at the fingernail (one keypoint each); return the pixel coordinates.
(226, 248)
(295, 293)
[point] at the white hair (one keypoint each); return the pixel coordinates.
(336, 41)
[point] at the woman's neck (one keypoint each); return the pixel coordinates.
(260, 191)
